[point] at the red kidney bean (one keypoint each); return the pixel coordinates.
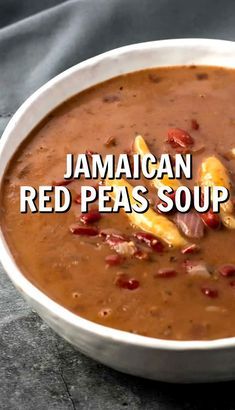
(90, 217)
(84, 230)
(227, 270)
(211, 293)
(211, 219)
(191, 248)
(124, 282)
(232, 283)
(194, 124)
(165, 273)
(150, 240)
(179, 138)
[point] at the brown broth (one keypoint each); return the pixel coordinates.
(72, 269)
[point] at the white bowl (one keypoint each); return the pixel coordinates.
(172, 361)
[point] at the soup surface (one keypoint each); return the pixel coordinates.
(119, 277)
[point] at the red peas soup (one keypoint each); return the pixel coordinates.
(103, 266)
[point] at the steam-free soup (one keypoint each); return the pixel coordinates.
(105, 267)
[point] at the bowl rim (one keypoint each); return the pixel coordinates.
(34, 293)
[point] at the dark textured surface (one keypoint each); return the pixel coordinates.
(39, 39)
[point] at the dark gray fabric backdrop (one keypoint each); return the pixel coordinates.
(39, 39)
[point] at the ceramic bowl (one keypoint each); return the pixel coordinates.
(171, 361)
